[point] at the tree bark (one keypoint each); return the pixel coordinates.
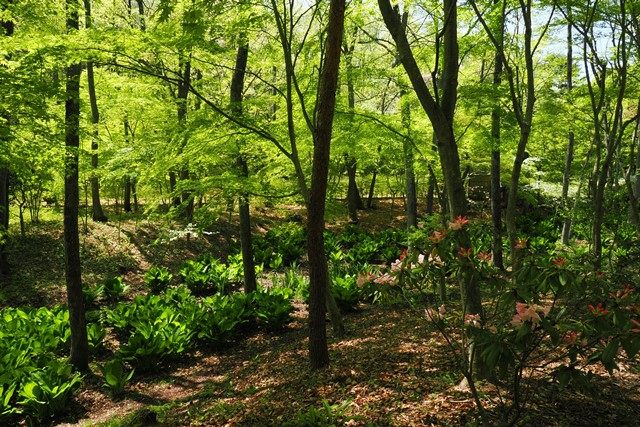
(354, 201)
(409, 174)
(566, 224)
(97, 211)
(496, 182)
(8, 28)
(441, 118)
(126, 200)
(183, 93)
(4, 220)
(237, 84)
(318, 268)
(79, 344)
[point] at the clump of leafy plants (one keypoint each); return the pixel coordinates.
(158, 279)
(35, 379)
(116, 376)
(114, 288)
(208, 275)
(281, 245)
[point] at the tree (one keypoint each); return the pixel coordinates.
(237, 84)
(79, 343)
(318, 268)
(7, 29)
(441, 116)
(97, 212)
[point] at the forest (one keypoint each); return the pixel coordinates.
(319, 212)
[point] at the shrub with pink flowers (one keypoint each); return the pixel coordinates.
(551, 317)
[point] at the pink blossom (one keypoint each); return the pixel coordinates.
(442, 310)
(570, 337)
(458, 223)
(528, 313)
(472, 320)
(438, 236)
(396, 265)
(385, 279)
(484, 256)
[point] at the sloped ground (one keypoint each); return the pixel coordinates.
(391, 370)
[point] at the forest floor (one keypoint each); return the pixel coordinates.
(393, 368)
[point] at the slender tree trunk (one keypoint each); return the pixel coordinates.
(318, 268)
(496, 182)
(353, 194)
(7, 30)
(441, 118)
(409, 174)
(126, 200)
(172, 189)
(372, 188)
(79, 344)
(4, 220)
(97, 212)
(431, 186)
(566, 224)
(183, 93)
(354, 201)
(237, 84)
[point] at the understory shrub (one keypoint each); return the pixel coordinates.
(35, 378)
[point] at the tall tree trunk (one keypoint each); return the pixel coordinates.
(79, 344)
(97, 211)
(566, 224)
(237, 84)
(431, 187)
(409, 174)
(126, 201)
(441, 118)
(354, 201)
(4, 220)
(318, 268)
(496, 182)
(183, 92)
(372, 188)
(7, 28)
(175, 199)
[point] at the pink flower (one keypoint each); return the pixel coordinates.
(458, 223)
(472, 320)
(559, 262)
(484, 256)
(598, 310)
(396, 265)
(442, 310)
(570, 337)
(464, 252)
(421, 259)
(528, 313)
(438, 236)
(403, 254)
(521, 243)
(385, 279)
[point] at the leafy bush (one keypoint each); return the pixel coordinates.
(345, 291)
(48, 391)
(158, 279)
(282, 245)
(95, 335)
(114, 288)
(115, 376)
(220, 317)
(208, 275)
(155, 327)
(271, 310)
